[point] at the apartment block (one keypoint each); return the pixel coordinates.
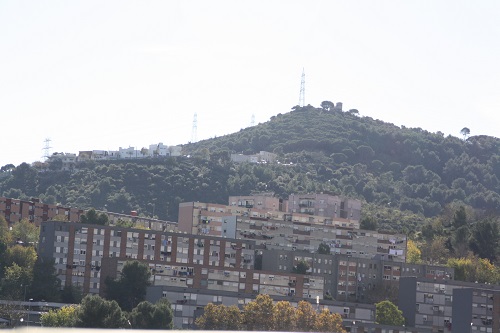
(266, 201)
(450, 306)
(86, 254)
(350, 278)
(321, 204)
(252, 217)
(14, 210)
(298, 232)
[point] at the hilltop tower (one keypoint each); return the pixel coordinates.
(46, 148)
(194, 130)
(302, 89)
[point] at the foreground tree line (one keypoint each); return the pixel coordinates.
(262, 314)
(96, 312)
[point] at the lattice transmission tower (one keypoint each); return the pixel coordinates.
(302, 96)
(46, 149)
(194, 130)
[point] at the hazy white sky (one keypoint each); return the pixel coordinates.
(108, 74)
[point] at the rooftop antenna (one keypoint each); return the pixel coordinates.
(195, 129)
(46, 148)
(302, 89)
(252, 122)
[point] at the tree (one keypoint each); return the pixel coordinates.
(92, 217)
(130, 289)
(47, 284)
(234, 318)
(329, 322)
(460, 218)
(465, 132)
(21, 255)
(386, 313)
(63, 317)
(26, 232)
(435, 252)
(327, 105)
(368, 223)
(323, 248)
(284, 317)
(460, 241)
(413, 253)
(306, 317)
(5, 235)
(474, 269)
(258, 314)
(152, 316)
(485, 239)
(71, 294)
(7, 167)
(12, 312)
(55, 163)
(210, 320)
(95, 312)
(301, 267)
(220, 317)
(14, 282)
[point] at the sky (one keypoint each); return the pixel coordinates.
(107, 74)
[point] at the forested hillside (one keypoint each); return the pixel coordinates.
(405, 175)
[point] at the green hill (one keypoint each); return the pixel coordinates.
(404, 174)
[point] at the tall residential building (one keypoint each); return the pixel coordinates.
(253, 217)
(450, 306)
(85, 254)
(327, 205)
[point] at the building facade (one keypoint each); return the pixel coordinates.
(14, 210)
(450, 306)
(86, 254)
(326, 205)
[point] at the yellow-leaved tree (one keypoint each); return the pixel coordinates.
(328, 322)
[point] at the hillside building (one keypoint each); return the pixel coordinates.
(326, 205)
(450, 306)
(68, 160)
(253, 217)
(349, 278)
(14, 210)
(261, 157)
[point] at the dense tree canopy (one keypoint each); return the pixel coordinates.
(96, 312)
(388, 314)
(152, 316)
(130, 288)
(262, 314)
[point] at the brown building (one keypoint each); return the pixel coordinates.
(14, 210)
